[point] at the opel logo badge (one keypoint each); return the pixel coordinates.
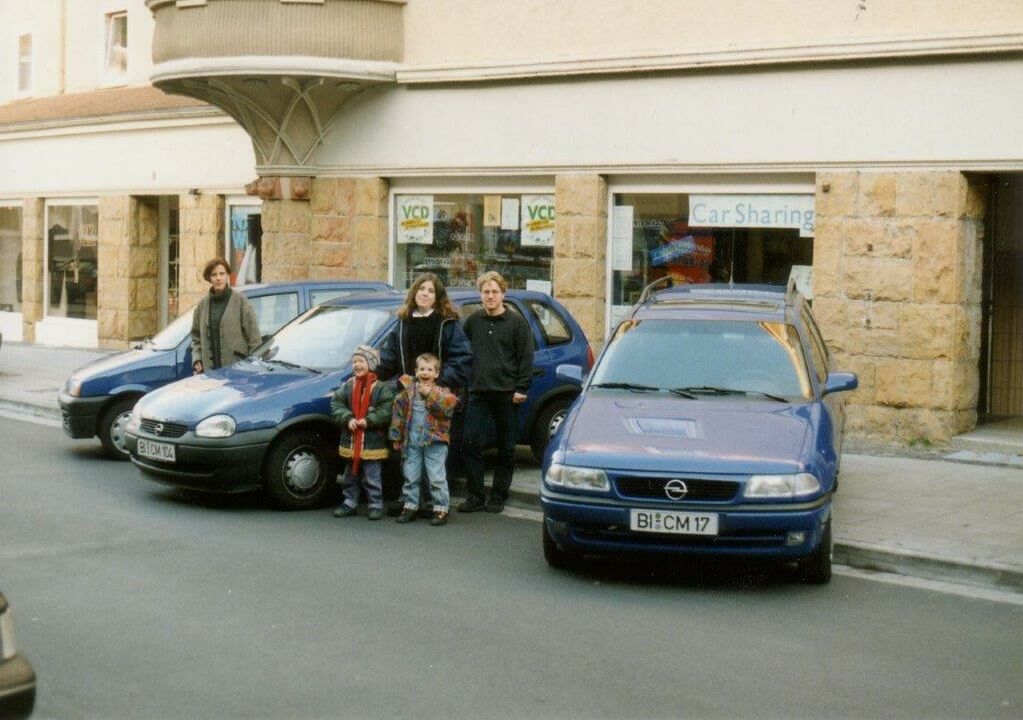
(675, 489)
(158, 429)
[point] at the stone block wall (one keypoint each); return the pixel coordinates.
(200, 228)
(33, 235)
(897, 292)
(580, 249)
(128, 262)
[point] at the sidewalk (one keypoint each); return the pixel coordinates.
(925, 517)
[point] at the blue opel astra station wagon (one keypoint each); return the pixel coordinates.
(710, 425)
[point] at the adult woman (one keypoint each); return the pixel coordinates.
(427, 322)
(224, 325)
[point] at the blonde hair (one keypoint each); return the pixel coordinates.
(492, 276)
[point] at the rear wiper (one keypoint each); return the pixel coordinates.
(626, 386)
(285, 363)
(713, 390)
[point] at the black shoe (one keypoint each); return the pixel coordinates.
(345, 511)
(425, 512)
(494, 505)
(407, 515)
(375, 513)
(395, 508)
(439, 518)
(471, 504)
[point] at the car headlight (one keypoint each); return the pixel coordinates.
(74, 387)
(216, 426)
(8, 648)
(134, 421)
(576, 478)
(781, 486)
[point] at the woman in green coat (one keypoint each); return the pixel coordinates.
(224, 326)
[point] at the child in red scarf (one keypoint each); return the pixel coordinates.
(362, 407)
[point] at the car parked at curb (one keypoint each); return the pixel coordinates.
(97, 399)
(17, 678)
(265, 422)
(711, 424)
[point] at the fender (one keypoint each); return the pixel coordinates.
(561, 390)
(311, 419)
(130, 389)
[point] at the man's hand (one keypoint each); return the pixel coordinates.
(518, 398)
(396, 445)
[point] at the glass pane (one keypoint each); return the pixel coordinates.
(470, 235)
(245, 240)
(72, 260)
(176, 331)
(325, 337)
(117, 44)
(555, 330)
(274, 311)
(24, 63)
(173, 259)
(10, 259)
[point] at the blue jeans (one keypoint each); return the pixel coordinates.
(430, 458)
(370, 472)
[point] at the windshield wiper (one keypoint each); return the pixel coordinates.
(626, 386)
(720, 391)
(285, 363)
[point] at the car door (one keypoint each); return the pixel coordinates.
(834, 404)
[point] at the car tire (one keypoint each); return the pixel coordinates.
(111, 428)
(547, 421)
(300, 471)
(815, 568)
(556, 556)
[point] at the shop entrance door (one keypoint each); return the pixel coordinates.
(169, 260)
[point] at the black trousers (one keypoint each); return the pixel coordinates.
(485, 408)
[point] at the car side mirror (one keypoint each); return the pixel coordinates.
(570, 374)
(840, 382)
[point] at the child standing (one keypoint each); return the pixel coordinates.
(362, 407)
(421, 428)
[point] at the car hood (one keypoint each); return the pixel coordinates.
(255, 395)
(650, 433)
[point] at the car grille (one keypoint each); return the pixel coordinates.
(163, 429)
(646, 487)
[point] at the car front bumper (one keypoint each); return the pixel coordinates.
(215, 465)
(80, 415)
(583, 525)
(17, 688)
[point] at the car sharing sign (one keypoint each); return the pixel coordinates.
(415, 219)
(754, 211)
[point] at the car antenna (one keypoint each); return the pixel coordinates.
(652, 286)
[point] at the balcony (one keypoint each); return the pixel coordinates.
(283, 69)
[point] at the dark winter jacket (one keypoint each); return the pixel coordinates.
(378, 419)
(502, 350)
(452, 349)
(239, 332)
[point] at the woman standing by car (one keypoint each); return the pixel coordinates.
(224, 326)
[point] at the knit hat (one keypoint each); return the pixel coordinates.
(369, 354)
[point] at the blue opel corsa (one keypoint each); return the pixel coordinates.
(97, 399)
(710, 425)
(265, 422)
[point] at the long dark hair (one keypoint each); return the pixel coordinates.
(441, 303)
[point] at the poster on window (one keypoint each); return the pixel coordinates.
(537, 221)
(415, 219)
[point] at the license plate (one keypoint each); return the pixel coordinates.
(156, 450)
(673, 523)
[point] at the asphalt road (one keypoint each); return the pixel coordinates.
(133, 602)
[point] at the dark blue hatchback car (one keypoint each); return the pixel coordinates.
(97, 399)
(710, 425)
(265, 421)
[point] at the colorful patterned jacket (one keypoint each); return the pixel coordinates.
(440, 406)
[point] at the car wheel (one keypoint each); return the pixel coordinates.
(815, 568)
(556, 556)
(111, 428)
(547, 422)
(300, 471)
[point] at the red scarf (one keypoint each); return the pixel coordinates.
(361, 393)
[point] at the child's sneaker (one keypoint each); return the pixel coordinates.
(440, 517)
(407, 515)
(375, 513)
(344, 511)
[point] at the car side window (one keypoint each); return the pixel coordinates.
(817, 349)
(552, 325)
(273, 311)
(469, 308)
(322, 295)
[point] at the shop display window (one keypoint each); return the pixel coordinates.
(10, 259)
(72, 262)
(653, 236)
(244, 243)
(458, 237)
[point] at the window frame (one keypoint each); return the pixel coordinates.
(233, 201)
(20, 207)
(108, 13)
(19, 91)
(47, 206)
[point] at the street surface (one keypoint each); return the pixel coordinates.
(132, 601)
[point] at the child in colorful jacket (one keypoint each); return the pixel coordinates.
(362, 407)
(420, 429)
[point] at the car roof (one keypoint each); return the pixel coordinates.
(287, 285)
(457, 295)
(731, 301)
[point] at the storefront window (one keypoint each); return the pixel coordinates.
(460, 236)
(10, 259)
(708, 238)
(72, 263)
(244, 241)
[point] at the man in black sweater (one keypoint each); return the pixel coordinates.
(502, 369)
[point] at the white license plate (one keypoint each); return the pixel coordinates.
(156, 450)
(673, 523)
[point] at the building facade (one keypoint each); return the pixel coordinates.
(871, 151)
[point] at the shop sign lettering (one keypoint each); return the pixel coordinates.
(537, 221)
(760, 211)
(415, 219)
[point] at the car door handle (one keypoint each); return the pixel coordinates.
(537, 372)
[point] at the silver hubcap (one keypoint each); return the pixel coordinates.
(555, 423)
(117, 432)
(302, 470)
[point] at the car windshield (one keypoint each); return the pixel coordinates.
(705, 357)
(172, 335)
(325, 337)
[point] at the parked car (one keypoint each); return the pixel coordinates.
(710, 425)
(98, 397)
(265, 421)
(17, 678)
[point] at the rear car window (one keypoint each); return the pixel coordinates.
(552, 325)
